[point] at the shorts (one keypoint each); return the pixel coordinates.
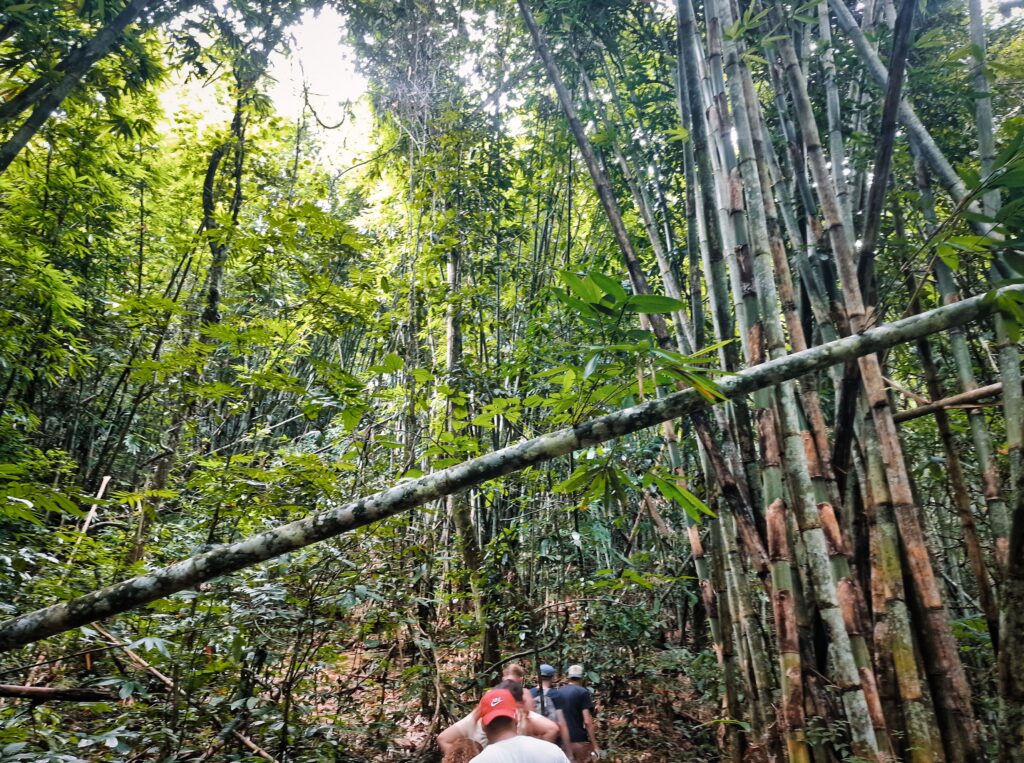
(581, 752)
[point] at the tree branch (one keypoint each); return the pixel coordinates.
(964, 398)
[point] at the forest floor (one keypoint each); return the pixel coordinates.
(656, 716)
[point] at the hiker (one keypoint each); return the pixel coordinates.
(528, 723)
(576, 705)
(499, 717)
(515, 672)
(542, 699)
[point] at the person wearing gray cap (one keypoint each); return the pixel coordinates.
(576, 705)
(543, 702)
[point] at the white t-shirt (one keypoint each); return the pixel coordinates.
(522, 749)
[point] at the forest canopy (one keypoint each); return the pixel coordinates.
(678, 340)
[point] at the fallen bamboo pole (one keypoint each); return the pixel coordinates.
(227, 558)
(964, 398)
(41, 694)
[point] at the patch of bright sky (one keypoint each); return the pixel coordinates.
(319, 66)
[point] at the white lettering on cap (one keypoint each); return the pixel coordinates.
(496, 701)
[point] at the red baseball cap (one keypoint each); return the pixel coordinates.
(497, 703)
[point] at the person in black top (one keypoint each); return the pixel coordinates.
(577, 708)
(541, 694)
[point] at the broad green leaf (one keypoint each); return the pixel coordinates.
(654, 303)
(610, 286)
(585, 289)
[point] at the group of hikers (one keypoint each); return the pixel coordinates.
(546, 724)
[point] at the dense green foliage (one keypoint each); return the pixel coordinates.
(208, 329)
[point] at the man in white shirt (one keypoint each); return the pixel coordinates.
(498, 717)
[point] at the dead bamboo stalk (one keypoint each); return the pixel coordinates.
(39, 694)
(953, 401)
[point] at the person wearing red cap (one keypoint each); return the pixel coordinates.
(499, 717)
(528, 722)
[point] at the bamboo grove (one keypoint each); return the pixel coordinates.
(680, 339)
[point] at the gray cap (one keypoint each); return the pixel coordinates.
(575, 671)
(547, 671)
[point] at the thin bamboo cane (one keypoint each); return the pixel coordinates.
(961, 499)
(755, 653)
(837, 149)
(999, 522)
(732, 708)
(691, 107)
(982, 105)
(643, 205)
(869, 56)
(738, 499)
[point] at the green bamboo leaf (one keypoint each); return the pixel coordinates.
(610, 286)
(654, 303)
(586, 290)
(578, 479)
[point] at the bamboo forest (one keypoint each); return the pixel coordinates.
(651, 366)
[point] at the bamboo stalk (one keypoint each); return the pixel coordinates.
(999, 522)
(836, 148)
(894, 638)
(737, 497)
(844, 670)
(869, 57)
(787, 638)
